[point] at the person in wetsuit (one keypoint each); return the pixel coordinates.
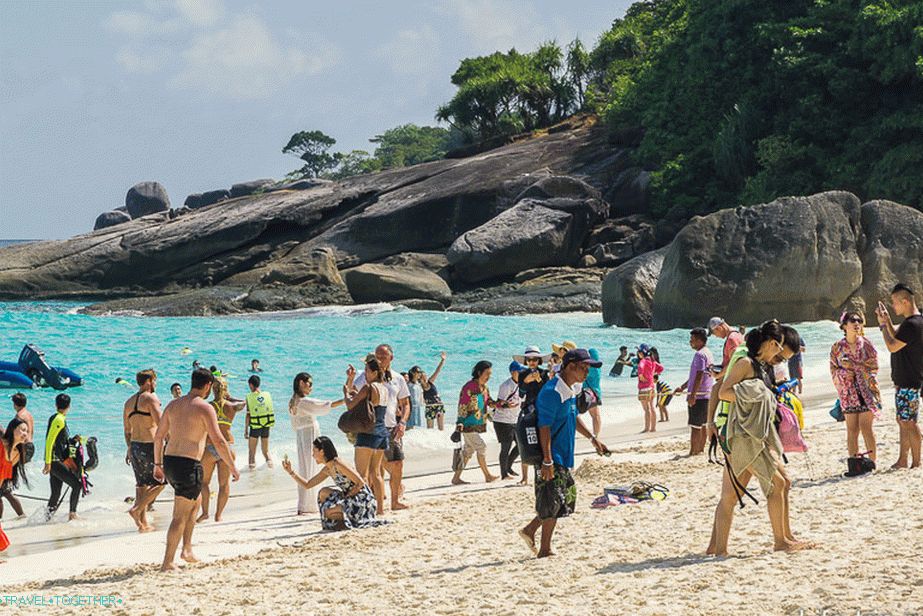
(140, 417)
(59, 464)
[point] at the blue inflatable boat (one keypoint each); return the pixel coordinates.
(33, 371)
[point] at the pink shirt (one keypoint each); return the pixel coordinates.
(647, 369)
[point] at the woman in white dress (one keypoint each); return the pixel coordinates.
(304, 412)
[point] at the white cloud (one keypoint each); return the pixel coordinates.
(497, 25)
(203, 49)
(244, 61)
(411, 52)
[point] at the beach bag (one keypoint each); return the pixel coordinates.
(789, 433)
(859, 465)
(530, 450)
(837, 412)
(360, 418)
(587, 399)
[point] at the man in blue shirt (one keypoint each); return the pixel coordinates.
(555, 492)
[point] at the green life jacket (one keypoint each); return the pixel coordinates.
(259, 405)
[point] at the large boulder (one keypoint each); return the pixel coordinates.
(629, 193)
(242, 189)
(552, 186)
(193, 201)
(109, 219)
(892, 251)
(795, 259)
(146, 198)
(213, 196)
(375, 282)
(531, 234)
(537, 291)
(628, 290)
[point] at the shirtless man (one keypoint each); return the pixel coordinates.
(185, 424)
(140, 417)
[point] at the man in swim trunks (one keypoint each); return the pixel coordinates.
(185, 424)
(140, 416)
(906, 346)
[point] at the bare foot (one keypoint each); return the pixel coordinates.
(530, 541)
(189, 557)
(202, 518)
(168, 567)
(544, 554)
(398, 506)
(72, 516)
(490, 478)
(644, 430)
(146, 528)
(459, 482)
(136, 516)
(523, 482)
(793, 546)
(252, 466)
(379, 512)
(218, 517)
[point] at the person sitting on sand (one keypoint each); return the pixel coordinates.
(906, 346)
(260, 418)
(370, 446)
(474, 403)
(225, 410)
(854, 369)
(304, 412)
(435, 409)
(349, 505)
(140, 416)
(184, 426)
(13, 442)
(558, 423)
(699, 385)
(59, 463)
(755, 448)
(648, 369)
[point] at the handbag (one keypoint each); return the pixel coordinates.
(837, 412)
(359, 418)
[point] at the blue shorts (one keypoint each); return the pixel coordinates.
(907, 401)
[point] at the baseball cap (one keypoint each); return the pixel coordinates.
(644, 348)
(580, 355)
(713, 323)
(516, 367)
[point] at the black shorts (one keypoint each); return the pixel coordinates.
(184, 474)
(698, 413)
(259, 432)
(394, 452)
(142, 463)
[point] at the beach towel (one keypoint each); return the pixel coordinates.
(751, 433)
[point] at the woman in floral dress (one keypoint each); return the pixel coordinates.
(854, 368)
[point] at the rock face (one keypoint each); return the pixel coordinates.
(146, 198)
(795, 259)
(892, 251)
(542, 290)
(377, 283)
(109, 219)
(533, 233)
(628, 290)
(242, 189)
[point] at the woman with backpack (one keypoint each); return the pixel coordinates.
(752, 442)
(854, 369)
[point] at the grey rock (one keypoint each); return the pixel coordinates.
(628, 290)
(109, 219)
(795, 259)
(612, 253)
(214, 196)
(531, 234)
(629, 193)
(553, 186)
(193, 201)
(242, 189)
(146, 198)
(436, 263)
(537, 291)
(306, 184)
(422, 304)
(373, 282)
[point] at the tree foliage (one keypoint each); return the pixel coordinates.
(313, 148)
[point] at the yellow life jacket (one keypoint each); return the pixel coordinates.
(259, 405)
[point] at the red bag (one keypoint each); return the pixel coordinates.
(4, 540)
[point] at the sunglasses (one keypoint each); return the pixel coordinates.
(854, 320)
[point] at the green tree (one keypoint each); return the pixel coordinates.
(312, 147)
(357, 162)
(410, 144)
(578, 70)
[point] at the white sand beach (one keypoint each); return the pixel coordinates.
(456, 550)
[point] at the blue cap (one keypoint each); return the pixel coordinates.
(516, 367)
(644, 348)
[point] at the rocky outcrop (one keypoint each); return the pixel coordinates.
(109, 219)
(795, 259)
(628, 290)
(533, 233)
(242, 189)
(542, 290)
(374, 282)
(146, 198)
(892, 251)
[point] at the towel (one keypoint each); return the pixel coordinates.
(751, 435)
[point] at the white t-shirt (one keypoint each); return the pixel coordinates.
(508, 392)
(397, 388)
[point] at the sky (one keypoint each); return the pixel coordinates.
(199, 94)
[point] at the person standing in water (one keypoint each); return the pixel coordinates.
(260, 418)
(185, 424)
(59, 464)
(621, 361)
(906, 346)
(255, 366)
(225, 410)
(176, 390)
(304, 412)
(140, 416)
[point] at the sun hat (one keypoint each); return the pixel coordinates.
(531, 351)
(565, 346)
(582, 356)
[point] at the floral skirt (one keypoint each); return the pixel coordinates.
(358, 510)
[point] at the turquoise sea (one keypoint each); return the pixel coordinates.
(322, 342)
